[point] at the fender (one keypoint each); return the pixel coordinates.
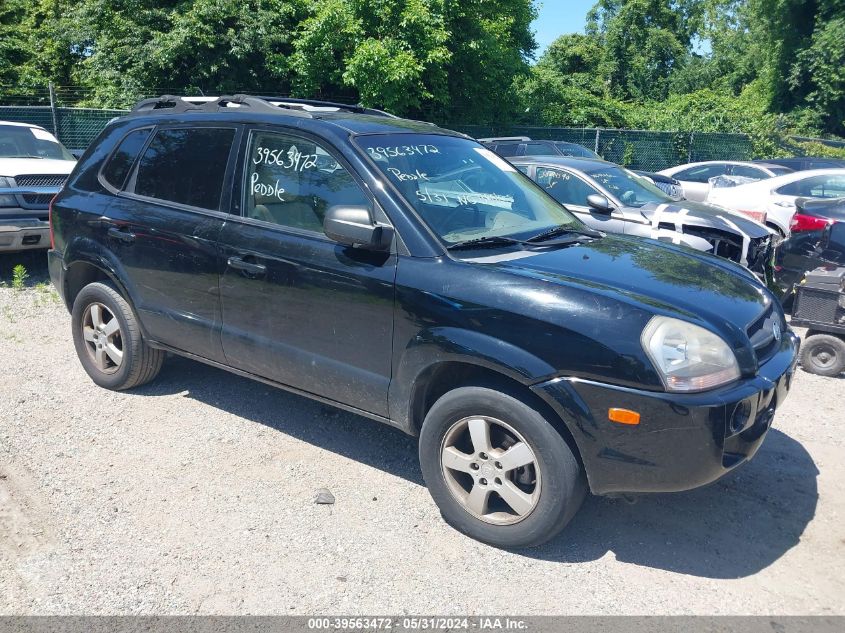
(85, 250)
(449, 344)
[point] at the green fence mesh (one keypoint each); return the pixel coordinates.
(637, 149)
(77, 127)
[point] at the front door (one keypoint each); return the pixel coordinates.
(299, 308)
(572, 191)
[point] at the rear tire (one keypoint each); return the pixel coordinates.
(517, 484)
(108, 339)
(823, 354)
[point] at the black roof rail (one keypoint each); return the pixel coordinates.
(298, 107)
(317, 103)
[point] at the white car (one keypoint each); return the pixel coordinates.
(33, 167)
(776, 196)
(695, 178)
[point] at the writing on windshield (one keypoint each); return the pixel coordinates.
(461, 189)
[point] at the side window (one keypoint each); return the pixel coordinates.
(564, 187)
(506, 149)
(748, 172)
(121, 161)
(816, 187)
(540, 149)
(291, 181)
(522, 168)
(186, 166)
(702, 173)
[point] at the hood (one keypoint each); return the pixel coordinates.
(657, 277)
(25, 166)
(703, 215)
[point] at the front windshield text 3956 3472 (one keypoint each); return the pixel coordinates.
(462, 190)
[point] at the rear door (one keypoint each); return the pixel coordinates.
(299, 308)
(164, 224)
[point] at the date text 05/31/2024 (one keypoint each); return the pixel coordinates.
(409, 623)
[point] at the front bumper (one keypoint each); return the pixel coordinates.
(21, 234)
(683, 441)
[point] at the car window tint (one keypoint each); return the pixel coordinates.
(540, 149)
(124, 156)
(816, 187)
(506, 149)
(746, 171)
(702, 173)
(186, 166)
(564, 186)
(291, 181)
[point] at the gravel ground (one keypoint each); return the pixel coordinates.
(195, 494)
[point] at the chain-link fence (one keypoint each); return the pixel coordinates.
(637, 149)
(74, 127)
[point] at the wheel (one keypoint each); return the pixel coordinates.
(108, 339)
(497, 469)
(823, 354)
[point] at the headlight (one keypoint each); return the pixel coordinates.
(6, 200)
(688, 357)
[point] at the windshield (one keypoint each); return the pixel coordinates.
(462, 190)
(17, 141)
(630, 189)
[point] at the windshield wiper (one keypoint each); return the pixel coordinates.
(563, 230)
(484, 242)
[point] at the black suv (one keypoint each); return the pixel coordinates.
(409, 274)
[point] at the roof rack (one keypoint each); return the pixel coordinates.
(298, 107)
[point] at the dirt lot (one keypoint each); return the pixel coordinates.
(195, 494)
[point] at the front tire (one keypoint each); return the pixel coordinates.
(497, 469)
(823, 354)
(108, 339)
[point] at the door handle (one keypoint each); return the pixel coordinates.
(124, 235)
(249, 267)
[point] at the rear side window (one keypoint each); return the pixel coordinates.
(506, 149)
(186, 166)
(540, 149)
(747, 171)
(124, 156)
(702, 173)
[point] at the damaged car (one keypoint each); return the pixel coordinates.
(610, 198)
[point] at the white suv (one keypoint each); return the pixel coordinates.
(33, 167)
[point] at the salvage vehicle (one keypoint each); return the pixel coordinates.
(33, 167)
(508, 146)
(775, 197)
(695, 178)
(407, 273)
(610, 198)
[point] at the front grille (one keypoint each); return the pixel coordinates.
(763, 336)
(42, 200)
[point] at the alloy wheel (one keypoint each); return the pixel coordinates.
(103, 338)
(490, 470)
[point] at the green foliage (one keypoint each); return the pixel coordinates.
(19, 277)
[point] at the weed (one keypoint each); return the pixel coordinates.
(19, 277)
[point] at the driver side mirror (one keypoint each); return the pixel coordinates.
(599, 203)
(352, 226)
